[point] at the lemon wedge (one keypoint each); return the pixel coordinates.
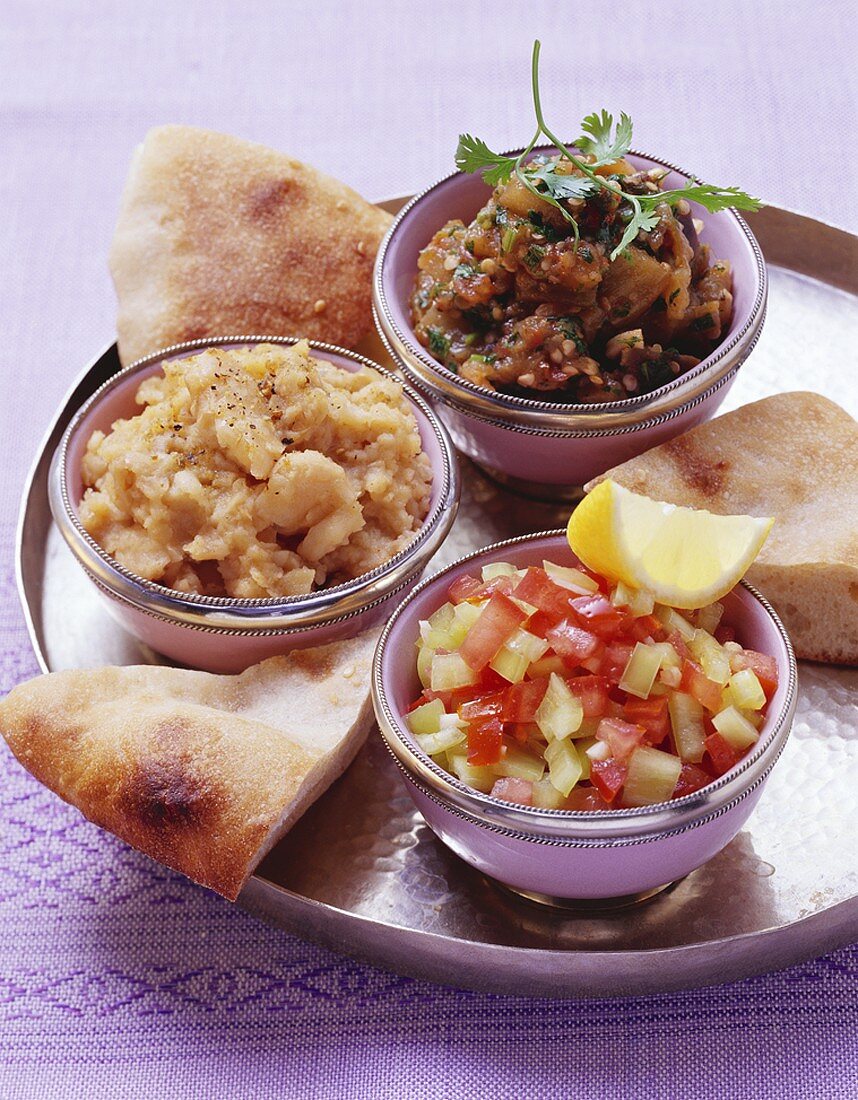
(684, 557)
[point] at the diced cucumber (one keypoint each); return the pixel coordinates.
(711, 656)
(424, 664)
(497, 569)
(464, 617)
(546, 665)
(709, 617)
(512, 666)
(686, 720)
(635, 599)
(526, 607)
(641, 670)
(519, 764)
(573, 579)
(546, 796)
(449, 672)
(746, 690)
(670, 619)
(735, 728)
(560, 713)
(564, 765)
(441, 741)
(652, 777)
(435, 630)
(669, 657)
(426, 719)
(480, 778)
(527, 644)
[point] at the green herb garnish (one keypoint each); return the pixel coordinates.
(439, 344)
(605, 143)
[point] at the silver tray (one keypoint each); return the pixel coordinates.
(362, 874)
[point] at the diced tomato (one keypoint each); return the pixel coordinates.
(485, 742)
(593, 693)
(764, 667)
(498, 621)
(622, 738)
(521, 701)
(608, 777)
(418, 702)
(652, 714)
(600, 615)
(540, 622)
(647, 626)
(615, 660)
(537, 589)
(483, 706)
(697, 683)
(490, 681)
(678, 643)
(513, 789)
(585, 798)
(691, 779)
(721, 753)
(504, 584)
(725, 634)
(571, 642)
(594, 664)
(463, 588)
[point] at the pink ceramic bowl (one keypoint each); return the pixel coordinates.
(620, 855)
(222, 634)
(538, 447)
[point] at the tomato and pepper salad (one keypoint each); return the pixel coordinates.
(551, 687)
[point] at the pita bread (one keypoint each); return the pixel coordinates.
(203, 773)
(793, 456)
(217, 237)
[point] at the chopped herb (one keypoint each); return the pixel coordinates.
(465, 271)
(673, 295)
(508, 239)
(585, 253)
(439, 344)
(570, 327)
(621, 311)
(469, 245)
(533, 256)
(703, 322)
(659, 305)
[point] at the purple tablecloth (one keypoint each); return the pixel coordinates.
(121, 979)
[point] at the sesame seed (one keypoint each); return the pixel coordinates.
(361, 248)
(556, 356)
(451, 263)
(319, 306)
(568, 347)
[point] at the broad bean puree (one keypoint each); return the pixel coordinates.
(257, 472)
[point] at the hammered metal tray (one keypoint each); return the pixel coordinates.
(362, 873)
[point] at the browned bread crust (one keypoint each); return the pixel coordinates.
(217, 236)
(203, 773)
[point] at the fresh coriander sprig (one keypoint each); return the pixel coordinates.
(602, 144)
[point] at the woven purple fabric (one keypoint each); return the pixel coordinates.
(120, 979)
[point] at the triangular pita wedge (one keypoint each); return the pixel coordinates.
(217, 236)
(203, 773)
(793, 456)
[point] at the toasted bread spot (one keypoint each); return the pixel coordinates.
(695, 469)
(165, 794)
(266, 200)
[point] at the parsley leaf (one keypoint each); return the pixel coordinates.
(597, 142)
(473, 155)
(560, 186)
(711, 198)
(641, 219)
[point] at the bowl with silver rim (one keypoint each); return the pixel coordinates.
(222, 633)
(547, 449)
(606, 857)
